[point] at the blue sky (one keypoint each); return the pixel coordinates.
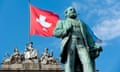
(103, 17)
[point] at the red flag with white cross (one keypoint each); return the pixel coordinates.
(42, 22)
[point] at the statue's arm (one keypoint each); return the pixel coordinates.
(89, 37)
(94, 50)
(60, 31)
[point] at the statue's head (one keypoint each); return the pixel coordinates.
(15, 49)
(70, 12)
(30, 44)
(46, 50)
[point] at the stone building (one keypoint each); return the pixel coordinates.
(30, 61)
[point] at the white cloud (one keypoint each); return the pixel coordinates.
(107, 14)
(109, 26)
(112, 10)
(108, 29)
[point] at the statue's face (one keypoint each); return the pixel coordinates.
(46, 50)
(70, 12)
(30, 44)
(15, 50)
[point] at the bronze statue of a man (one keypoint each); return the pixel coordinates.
(76, 43)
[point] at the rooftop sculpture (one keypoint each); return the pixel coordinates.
(29, 60)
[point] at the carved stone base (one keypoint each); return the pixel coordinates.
(31, 65)
(51, 67)
(12, 67)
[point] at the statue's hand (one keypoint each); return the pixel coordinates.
(68, 26)
(95, 52)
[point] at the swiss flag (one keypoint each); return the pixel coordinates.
(42, 22)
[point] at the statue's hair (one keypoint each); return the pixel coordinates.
(70, 7)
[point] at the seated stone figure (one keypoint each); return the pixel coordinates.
(16, 57)
(51, 59)
(44, 57)
(30, 52)
(47, 58)
(7, 59)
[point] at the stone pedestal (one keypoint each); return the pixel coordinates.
(5, 67)
(16, 67)
(12, 67)
(51, 67)
(31, 65)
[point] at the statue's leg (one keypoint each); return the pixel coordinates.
(70, 63)
(78, 65)
(85, 59)
(93, 64)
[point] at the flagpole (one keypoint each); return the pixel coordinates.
(29, 21)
